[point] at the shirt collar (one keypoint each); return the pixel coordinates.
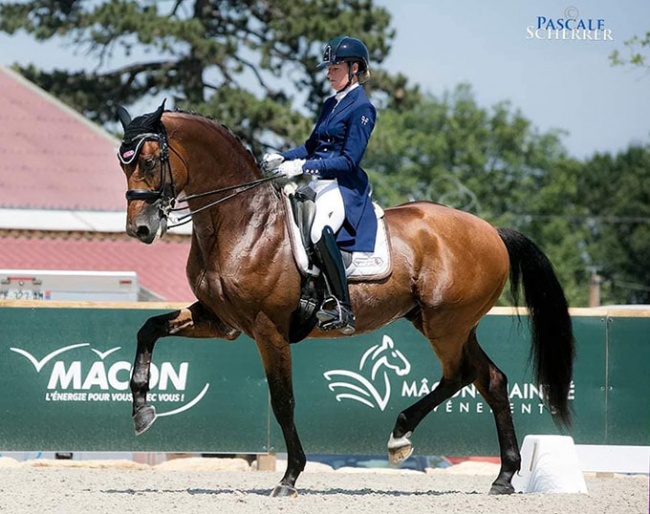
(341, 94)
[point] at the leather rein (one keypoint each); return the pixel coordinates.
(166, 193)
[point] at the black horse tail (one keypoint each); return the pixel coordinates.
(553, 344)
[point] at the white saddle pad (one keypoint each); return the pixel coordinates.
(364, 266)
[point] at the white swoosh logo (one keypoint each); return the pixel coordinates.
(368, 388)
(187, 405)
(103, 355)
(39, 364)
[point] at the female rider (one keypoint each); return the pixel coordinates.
(345, 218)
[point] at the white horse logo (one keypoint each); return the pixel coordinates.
(359, 388)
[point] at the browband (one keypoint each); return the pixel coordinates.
(128, 152)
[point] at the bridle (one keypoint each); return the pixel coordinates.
(166, 193)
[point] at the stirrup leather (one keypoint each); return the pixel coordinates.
(335, 315)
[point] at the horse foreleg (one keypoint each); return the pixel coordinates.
(277, 364)
(194, 321)
(493, 386)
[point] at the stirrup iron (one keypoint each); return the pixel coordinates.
(337, 317)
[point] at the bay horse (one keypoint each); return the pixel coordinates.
(449, 269)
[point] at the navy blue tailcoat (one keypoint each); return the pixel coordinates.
(334, 150)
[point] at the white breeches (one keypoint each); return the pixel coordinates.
(330, 209)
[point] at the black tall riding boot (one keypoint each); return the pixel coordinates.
(335, 313)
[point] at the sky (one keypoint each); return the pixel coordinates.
(556, 83)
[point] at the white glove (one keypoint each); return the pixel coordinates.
(271, 161)
(291, 168)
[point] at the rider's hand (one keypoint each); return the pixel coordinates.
(291, 168)
(271, 161)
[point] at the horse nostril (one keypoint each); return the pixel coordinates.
(143, 231)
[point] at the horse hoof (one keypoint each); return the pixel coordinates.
(144, 418)
(284, 491)
(501, 489)
(399, 449)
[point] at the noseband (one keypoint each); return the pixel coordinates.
(167, 201)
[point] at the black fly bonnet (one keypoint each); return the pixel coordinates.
(137, 131)
(147, 127)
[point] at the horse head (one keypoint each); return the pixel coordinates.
(147, 163)
(157, 170)
(385, 355)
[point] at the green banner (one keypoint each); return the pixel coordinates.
(349, 392)
(628, 374)
(64, 375)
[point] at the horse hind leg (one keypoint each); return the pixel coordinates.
(492, 383)
(457, 373)
(473, 366)
(195, 321)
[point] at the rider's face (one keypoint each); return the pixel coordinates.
(337, 74)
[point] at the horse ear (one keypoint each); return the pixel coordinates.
(124, 116)
(159, 112)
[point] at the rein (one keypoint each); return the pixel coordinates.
(245, 187)
(169, 201)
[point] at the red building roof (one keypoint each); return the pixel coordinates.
(55, 166)
(160, 267)
(50, 156)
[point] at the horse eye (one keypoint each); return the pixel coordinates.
(149, 163)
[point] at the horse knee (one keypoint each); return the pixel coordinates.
(152, 329)
(148, 334)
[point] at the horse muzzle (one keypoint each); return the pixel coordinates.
(148, 225)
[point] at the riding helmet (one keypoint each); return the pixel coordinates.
(345, 49)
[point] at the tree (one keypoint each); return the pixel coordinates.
(451, 150)
(489, 161)
(586, 215)
(616, 196)
(638, 49)
(234, 60)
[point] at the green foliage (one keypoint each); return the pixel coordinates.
(236, 61)
(586, 216)
(636, 54)
(450, 150)
(616, 196)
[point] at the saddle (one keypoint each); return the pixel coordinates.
(360, 266)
